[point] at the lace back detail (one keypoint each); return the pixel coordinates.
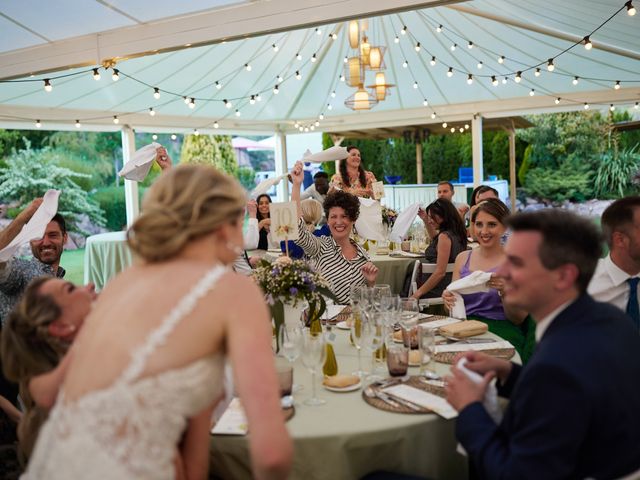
(159, 335)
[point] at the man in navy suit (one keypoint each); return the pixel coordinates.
(574, 409)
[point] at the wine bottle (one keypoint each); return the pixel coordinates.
(330, 366)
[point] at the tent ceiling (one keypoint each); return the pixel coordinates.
(526, 33)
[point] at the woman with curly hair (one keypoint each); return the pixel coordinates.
(339, 259)
(352, 177)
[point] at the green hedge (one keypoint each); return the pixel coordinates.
(111, 200)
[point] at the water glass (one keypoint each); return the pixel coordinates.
(313, 356)
(410, 334)
(427, 341)
(284, 371)
(397, 360)
(409, 309)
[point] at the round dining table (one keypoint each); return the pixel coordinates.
(106, 254)
(346, 438)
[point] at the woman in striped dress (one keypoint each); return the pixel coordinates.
(340, 260)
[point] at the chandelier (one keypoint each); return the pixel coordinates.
(367, 58)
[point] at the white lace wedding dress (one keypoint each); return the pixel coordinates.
(130, 429)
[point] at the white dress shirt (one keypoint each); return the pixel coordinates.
(609, 284)
(311, 192)
(543, 324)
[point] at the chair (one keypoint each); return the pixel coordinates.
(426, 268)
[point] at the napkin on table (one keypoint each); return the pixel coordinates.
(141, 161)
(35, 227)
(473, 283)
(369, 222)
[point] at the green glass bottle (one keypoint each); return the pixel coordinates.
(330, 366)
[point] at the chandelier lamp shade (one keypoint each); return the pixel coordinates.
(361, 100)
(354, 34)
(376, 58)
(365, 50)
(381, 88)
(354, 72)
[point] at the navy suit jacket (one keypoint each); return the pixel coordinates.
(575, 407)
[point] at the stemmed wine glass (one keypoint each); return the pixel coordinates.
(409, 310)
(372, 339)
(313, 356)
(427, 344)
(291, 339)
(378, 293)
(357, 326)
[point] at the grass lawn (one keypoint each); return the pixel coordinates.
(73, 262)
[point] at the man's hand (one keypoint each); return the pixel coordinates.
(462, 391)
(482, 363)
(26, 214)
(162, 158)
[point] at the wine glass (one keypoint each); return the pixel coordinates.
(378, 293)
(427, 344)
(291, 340)
(313, 355)
(372, 340)
(409, 310)
(357, 336)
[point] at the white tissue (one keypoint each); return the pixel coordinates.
(141, 161)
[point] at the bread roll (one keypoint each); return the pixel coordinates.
(340, 381)
(465, 329)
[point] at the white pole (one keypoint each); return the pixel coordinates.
(130, 187)
(282, 166)
(476, 142)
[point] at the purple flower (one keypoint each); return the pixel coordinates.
(293, 291)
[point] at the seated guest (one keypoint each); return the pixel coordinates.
(311, 214)
(509, 323)
(264, 223)
(251, 237)
(317, 191)
(340, 260)
(617, 275)
(37, 334)
(480, 193)
(448, 242)
(573, 409)
(446, 190)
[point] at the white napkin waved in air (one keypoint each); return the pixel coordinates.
(403, 222)
(141, 161)
(369, 222)
(265, 185)
(490, 401)
(472, 283)
(35, 227)
(331, 154)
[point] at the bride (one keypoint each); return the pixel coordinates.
(139, 384)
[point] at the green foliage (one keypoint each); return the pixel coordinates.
(227, 161)
(30, 173)
(17, 139)
(615, 171)
(247, 177)
(112, 202)
(568, 182)
(525, 165)
(214, 150)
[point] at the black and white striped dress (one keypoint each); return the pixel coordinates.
(326, 256)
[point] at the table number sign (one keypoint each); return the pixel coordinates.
(284, 221)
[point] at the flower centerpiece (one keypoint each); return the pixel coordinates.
(290, 284)
(389, 216)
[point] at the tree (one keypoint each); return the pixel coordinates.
(214, 150)
(227, 162)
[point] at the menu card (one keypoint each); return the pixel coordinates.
(233, 421)
(425, 399)
(465, 347)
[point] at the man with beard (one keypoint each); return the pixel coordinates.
(617, 275)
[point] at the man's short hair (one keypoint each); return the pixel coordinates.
(566, 238)
(446, 182)
(618, 216)
(321, 174)
(59, 219)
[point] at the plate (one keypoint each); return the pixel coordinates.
(350, 388)
(342, 326)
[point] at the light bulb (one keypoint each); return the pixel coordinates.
(469, 79)
(301, 129)
(405, 64)
(298, 56)
(586, 106)
(215, 125)
(227, 103)
(174, 137)
(433, 115)
(417, 47)
(78, 124)
(470, 45)
(186, 100)
(494, 81)
(218, 85)
(550, 66)
(38, 124)
(433, 61)
(276, 90)
(298, 75)
(306, 129)
(116, 120)
(518, 77)
(96, 74)
(333, 94)
(345, 59)
(587, 43)
(480, 65)
(312, 127)
(329, 107)
(152, 112)
(156, 93)
(321, 116)
(196, 132)
(532, 92)
(154, 137)
(237, 113)
(258, 98)
(247, 67)
(192, 103)
(631, 10)
(342, 78)
(415, 85)
(115, 76)
(617, 85)
(612, 107)
(425, 103)
(275, 47)
(439, 29)
(280, 79)
(334, 36)
(313, 58)
(296, 125)
(461, 129)
(318, 31)
(396, 40)
(575, 80)
(466, 126)
(636, 106)
(317, 123)
(557, 100)
(444, 124)
(404, 30)
(537, 72)
(450, 72)
(453, 47)
(47, 85)
(453, 129)
(501, 59)
(252, 100)
(504, 80)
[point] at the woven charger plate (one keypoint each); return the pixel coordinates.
(343, 316)
(447, 357)
(413, 381)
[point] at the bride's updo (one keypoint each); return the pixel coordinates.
(184, 203)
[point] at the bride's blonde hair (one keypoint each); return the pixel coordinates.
(185, 203)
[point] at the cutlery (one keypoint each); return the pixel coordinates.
(373, 393)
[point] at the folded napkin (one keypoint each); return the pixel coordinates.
(369, 222)
(403, 222)
(265, 185)
(465, 347)
(400, 253)
(472, 283)
(439, 323)
(333, 311)
(464, 329)
(331, 154)
(424, 399)
(233, 420)
(35, 227)
(141, 161)
(490, 401)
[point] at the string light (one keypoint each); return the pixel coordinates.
(494, 81)
(575, 80)
(557, 100)
(321, 116)
(38, 124)
(227, 103)
(115, 76)
(636, 106)
(345, 59)
(417, 47)
(342, 78)
(247, 67)
(252, 100)
(218, 85)
(196, 132)
(156, 93)
(313, 58)
(280, 79)
(470, 45)
(116, 120)
(425, 103)
(318, 31)
(501, 59)
(96, 74)
(444, 124)
(405, 64)
(466, 126)
(612, 107)
(298, 75)
(433, 61)
(296, 125)
(317, 123)
(298, 56)
(439, 29)
(334, 36)
(461, 129)
(78, 124)
(301, 129)
(433, 114)
(329, 106)
(532, 92)
(186, 100)
(587, 43)
(415, 85)
(450, 72)
(237, 113)
(312, 127)
(518, 77)
(586, 106)
(631, 10)
(453, 129)
(469, 79)
(537, 72)
(192, 103)
(152, 112)
(480, 65)
(174, 137)
(215, 124)
(333, 94)
(47, 85)
(617, 85)
(276, 90)
(154, 137)
(504, 80)
(275, 47)
(550, 66)
(453, 47)
(258, 97)
(396, 40)
(404, 29)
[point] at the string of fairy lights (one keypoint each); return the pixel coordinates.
(495, 69)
